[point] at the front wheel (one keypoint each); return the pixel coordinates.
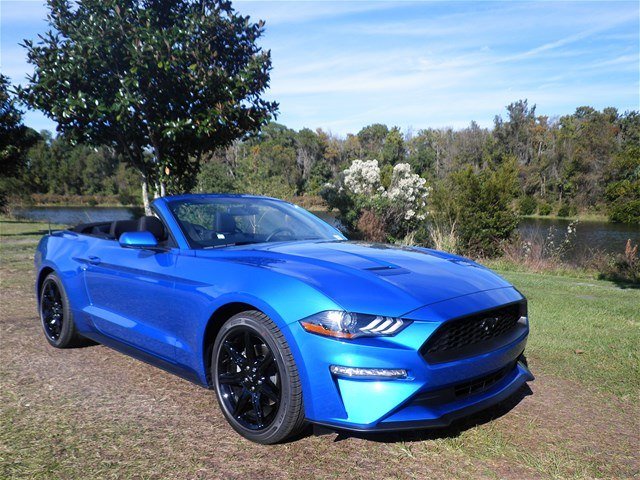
(256, 379)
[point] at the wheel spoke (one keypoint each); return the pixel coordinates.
(243, 402)
(267, 360)
(236, 356)
(249, 347)
(268, 390)
(230, 378)
(257, 409)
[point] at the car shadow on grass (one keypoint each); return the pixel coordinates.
(452, 431)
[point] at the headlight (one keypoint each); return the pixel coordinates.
(334, 323)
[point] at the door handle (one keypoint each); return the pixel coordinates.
(94, 260)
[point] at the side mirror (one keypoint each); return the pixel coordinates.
(143, 240)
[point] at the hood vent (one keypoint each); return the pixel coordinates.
(386, 270)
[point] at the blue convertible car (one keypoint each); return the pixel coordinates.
(284, 318)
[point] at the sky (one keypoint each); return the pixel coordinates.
(343, 65)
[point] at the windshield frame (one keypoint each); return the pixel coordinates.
(326, 231)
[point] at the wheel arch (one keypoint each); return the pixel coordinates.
(214, 324)
(44, 272)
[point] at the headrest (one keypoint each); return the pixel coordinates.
(153, 225)
(121, 226)
(225, 223)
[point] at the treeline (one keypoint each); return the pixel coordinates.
(586, 161)
(56, 166)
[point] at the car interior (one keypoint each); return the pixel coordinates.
(113, 230)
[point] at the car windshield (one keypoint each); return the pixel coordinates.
(213, 222)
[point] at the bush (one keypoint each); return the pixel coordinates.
(527, 205)
(397, 210)
(476, 209)
(371, 226)
(544, 209)
(624, 268)
(625, 212)
(623, 186)
(567, 210)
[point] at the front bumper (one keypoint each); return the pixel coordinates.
(432, 395)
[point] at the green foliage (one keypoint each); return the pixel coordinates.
(567, 210)
(624, 268)
(623, 186)
(15, 139)
(215, 177)
(625, 212)
(545, 209)
(527, 205)
(321, 174)
(421, 153)
(371, 141)
(478, 207)
(393, 151)
(176, 78)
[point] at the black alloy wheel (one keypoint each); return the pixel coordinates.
(256, 379)
(52, 310)
(56, 316)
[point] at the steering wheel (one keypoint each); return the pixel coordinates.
(278, 231)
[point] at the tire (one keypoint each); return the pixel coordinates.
(256, 379)
(56, 317)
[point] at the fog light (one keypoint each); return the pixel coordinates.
(379, 373)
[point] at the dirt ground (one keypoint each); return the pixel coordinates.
(95, 413)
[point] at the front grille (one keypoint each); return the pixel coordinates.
(463, 389)
(481, 384)
(475, 334)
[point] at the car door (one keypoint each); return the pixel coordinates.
(131, 296)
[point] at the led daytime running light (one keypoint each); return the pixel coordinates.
(368, 373)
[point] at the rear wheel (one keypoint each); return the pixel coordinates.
(256, 379)
(56, 316)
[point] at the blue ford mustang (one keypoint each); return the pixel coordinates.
(284, 318)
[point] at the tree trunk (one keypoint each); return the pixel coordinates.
(163, 190)
(145, 195)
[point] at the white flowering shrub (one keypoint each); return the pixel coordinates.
(408, 189)
(399, 204)
(362, 177)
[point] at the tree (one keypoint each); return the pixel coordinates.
(393, 151)
(171, 77)
(623, 186)
(15, 139)
(516, 134)
(372, 140)
(309, 150)
(477, 208)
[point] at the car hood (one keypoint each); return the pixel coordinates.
(370, 278)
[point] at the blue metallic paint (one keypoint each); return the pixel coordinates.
(157, 306)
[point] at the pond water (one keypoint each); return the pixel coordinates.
(75, 215)
(590, 236)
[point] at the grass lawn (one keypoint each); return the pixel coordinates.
(584, 329)
(94, 412)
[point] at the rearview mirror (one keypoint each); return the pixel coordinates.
(145, 240)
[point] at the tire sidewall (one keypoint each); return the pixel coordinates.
(248, 319)
(67, 320)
